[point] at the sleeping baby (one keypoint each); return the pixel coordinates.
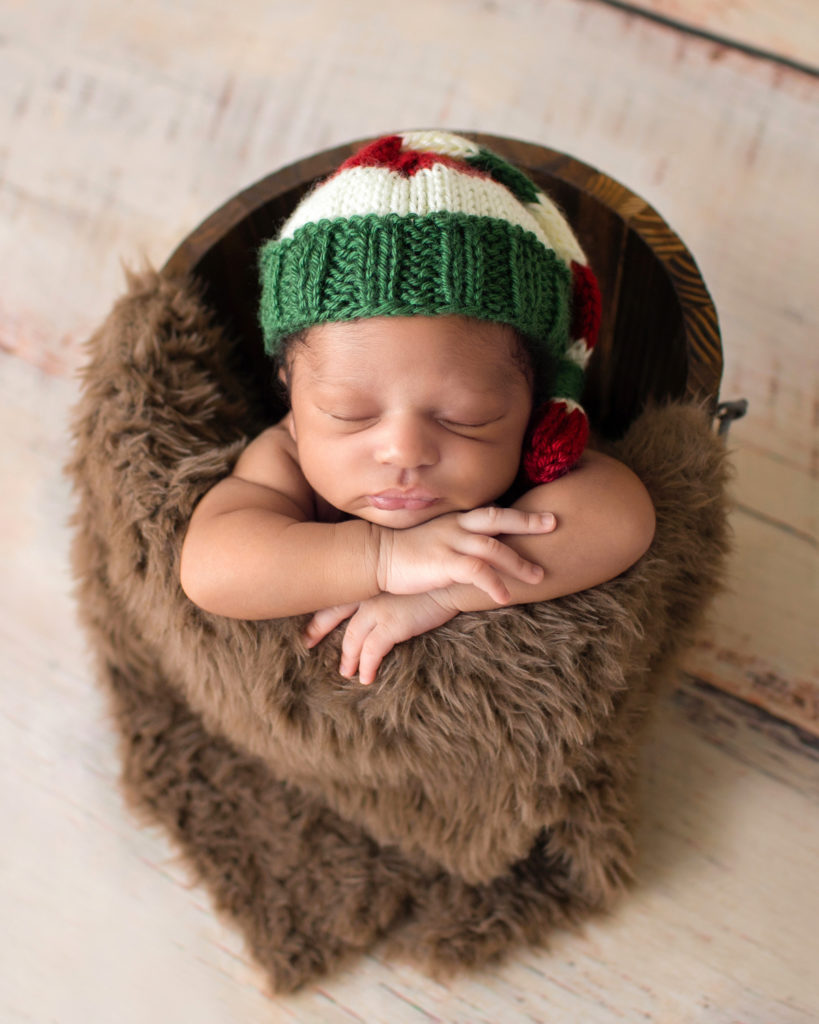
(430, 313)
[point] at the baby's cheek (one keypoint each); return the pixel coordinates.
(501, 472)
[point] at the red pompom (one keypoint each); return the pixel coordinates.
(555, 442)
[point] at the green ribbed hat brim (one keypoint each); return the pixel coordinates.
(432, 265)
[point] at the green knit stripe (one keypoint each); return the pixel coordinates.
(366, 266)
(568, 380)
(521, 187)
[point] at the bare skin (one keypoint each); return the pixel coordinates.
(372, 500)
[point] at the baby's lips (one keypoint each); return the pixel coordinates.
(391, 501)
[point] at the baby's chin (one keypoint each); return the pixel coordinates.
(400, 519)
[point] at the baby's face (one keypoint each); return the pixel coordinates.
(398, 420)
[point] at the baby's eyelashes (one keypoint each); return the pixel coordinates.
(459, 425)
(352, 423)
(472, 431)
(353, 417)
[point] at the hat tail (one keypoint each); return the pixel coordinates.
(560, 427)
(555, 441)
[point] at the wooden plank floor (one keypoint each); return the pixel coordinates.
(121, 127)
(785, 29)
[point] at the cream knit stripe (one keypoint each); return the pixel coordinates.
(579, 352)
(555, 227)
(570, 404)
(545, 212)
(440, 142)
(361, 191)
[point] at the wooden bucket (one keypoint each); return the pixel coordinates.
(660, 336)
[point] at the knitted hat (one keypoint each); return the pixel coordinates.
(429, 223)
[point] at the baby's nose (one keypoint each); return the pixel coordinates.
(408, 442)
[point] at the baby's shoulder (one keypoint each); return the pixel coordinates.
(275, 442)
(271, 459)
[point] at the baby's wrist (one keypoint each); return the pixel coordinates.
(452, 598)
(463, 597)
(381, 540)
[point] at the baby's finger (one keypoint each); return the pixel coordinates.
(358, 628)
(348, 665)
(493, 520)
(325, 621)
(365, 643)
(502, 558)
(377, 646)
(474, 570)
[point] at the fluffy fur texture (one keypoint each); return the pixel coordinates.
(478, 793)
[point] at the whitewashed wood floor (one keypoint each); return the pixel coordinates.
(122, 126)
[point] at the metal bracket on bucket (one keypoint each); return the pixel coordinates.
(727, 412)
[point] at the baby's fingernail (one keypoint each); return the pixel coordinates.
(547, 519)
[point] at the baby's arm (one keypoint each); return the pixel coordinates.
(605, 523)
(253, 551)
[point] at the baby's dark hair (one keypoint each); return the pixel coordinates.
(283, 360)
(535, 363)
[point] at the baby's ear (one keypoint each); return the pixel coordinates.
(283, 383)
(290, 425)
(282, 389)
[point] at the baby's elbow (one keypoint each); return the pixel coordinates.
(641, 523)
(195, 579)
(190, 580)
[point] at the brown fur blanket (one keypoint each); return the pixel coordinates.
(479, 792)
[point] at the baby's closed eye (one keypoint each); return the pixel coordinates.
(468, 422)
(351, 417)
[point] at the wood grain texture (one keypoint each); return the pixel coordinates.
(788, 28)
(121, 128)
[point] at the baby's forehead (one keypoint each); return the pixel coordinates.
(474, 350)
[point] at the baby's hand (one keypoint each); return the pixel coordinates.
(460, 547)
(376, 626)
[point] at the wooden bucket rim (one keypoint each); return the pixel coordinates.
(699, 314)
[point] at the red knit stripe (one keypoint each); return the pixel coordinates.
(587, 305)
(387, 152)
(555, 442)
